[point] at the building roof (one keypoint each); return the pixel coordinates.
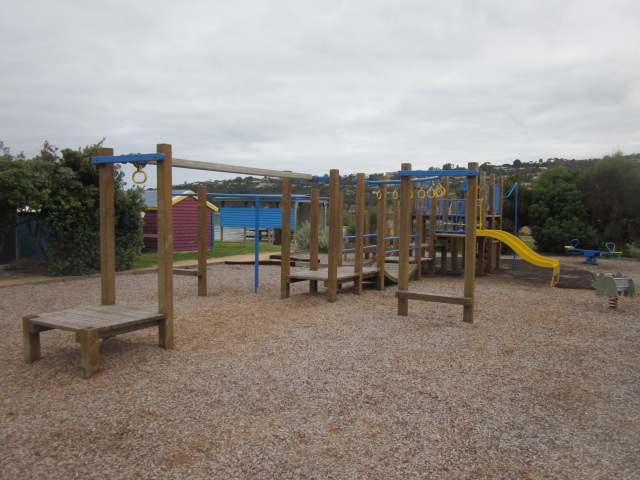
(150, 198)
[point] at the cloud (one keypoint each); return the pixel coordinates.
(309, 86)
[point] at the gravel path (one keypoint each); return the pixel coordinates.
(544, 385)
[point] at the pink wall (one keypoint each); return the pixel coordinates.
(185, 227)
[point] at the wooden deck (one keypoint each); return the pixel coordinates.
(90, 324)
(345, 274)
(392, 271)
(411, 260)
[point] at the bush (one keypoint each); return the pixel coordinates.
(302, 236)
(633, 250)
(558, 214)
(62, 193)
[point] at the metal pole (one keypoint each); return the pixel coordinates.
(256, 247)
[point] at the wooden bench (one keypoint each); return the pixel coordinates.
(90, 324)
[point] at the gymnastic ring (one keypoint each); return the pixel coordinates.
(431, 192)
(422, 193)
(394, 195)
(144, 176)
(440, 191)
(379, 194)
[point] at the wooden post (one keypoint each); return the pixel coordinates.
(341, 224)
(482, 195)
(335, 235)
(31, 339)
(382, 233)
(359, 253)
(89, 351)
(481, 218)
(396, 223)
(367, 231)
(470, 245)
(165, 246)
(202, 241)
(498, 224)
(285, 258)
(314, 231)
(491, 201)
(420, 242)
(405, 240)
(433, 238)
(107, 230)
(491, 221)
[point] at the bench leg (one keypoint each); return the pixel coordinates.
(89, 356)
(358, 285)
(31, 338)
(165, 334)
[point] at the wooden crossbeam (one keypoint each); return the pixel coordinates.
(427, 297)
(186, 271)
(220, 167)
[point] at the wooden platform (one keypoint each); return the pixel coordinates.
(345, 274)
(392, 271)
(90, 325)
(411, 260)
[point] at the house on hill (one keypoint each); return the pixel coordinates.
(185, 221)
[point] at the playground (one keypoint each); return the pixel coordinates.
(327, 368)
(544, 384)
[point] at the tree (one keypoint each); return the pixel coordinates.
(524, 202)
(9, 173)
(612, 186)
(61, 191)
(22, 187)
(557, 213)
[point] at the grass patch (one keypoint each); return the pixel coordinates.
(222, 249)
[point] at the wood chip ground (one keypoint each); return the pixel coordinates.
(544, 385)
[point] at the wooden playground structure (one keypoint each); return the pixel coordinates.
(416, 243)
(94, 323)
(398, 258)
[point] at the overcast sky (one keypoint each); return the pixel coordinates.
(302, 85)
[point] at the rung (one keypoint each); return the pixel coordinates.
(186, 271)
(426, 297)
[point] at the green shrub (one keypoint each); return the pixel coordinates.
(633, 250)
(302, 236)
(62, 193)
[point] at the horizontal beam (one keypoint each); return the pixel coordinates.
(426, 297)
(252, 197)
(439, 173)
(396, 182)
(220, 167)
(131, 158)
(186, 271)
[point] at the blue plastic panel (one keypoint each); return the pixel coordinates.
(131, 158)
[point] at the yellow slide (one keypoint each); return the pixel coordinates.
(524, 251)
